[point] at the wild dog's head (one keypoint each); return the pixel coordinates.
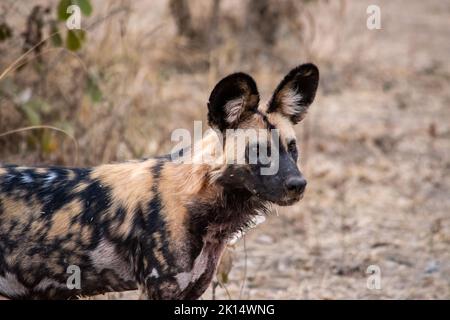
(233, 110)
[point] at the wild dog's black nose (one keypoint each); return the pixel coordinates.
(296, 184)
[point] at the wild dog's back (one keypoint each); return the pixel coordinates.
(52, 218)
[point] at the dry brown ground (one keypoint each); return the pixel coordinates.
(379, 184)
(375, 146)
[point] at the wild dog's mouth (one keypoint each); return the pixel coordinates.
(285, 201)
(289, 201)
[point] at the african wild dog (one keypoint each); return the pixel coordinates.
(155, 224)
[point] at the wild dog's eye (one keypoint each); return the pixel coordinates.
(292, 149)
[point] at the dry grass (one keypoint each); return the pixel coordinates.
(377, 144)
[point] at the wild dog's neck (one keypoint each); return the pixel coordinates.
(229, 211)
(236, 209)
(221, 219)
(209, 204)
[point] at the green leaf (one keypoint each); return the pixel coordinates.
(93, 90)
(75, 39)
(62, 9)
(31, 113)
(41, 106)
(85, 7)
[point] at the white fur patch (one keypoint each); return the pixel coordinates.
(105, 257)
(183, 279)
(290, 102)
(11, 287)
(200, 264)
(50, 177)
(26, 178)
(253, 224)
(154, 274)
(233, 109)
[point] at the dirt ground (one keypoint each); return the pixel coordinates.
(375, 148)
(378, 167)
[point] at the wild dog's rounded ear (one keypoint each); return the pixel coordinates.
(295, 92)
(233, 99)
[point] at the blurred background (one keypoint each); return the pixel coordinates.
(374, 146)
